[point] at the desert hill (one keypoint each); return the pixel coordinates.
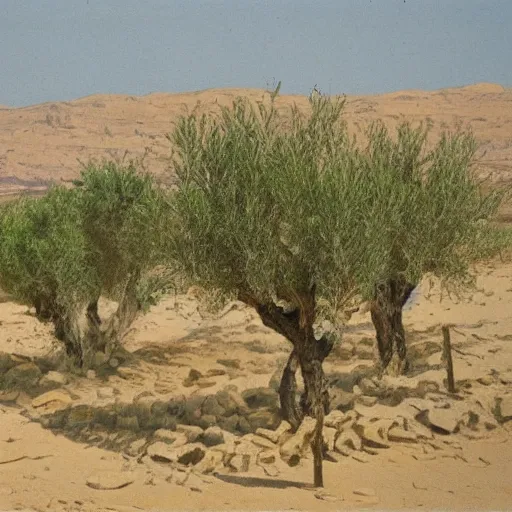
(44, 143)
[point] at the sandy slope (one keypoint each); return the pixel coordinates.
(46, 142)
(53, 471)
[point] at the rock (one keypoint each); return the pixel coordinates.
(267, 457)
(444, 420)
(325, 496)
(109, 480)
(335, 419)
(230, 423)
(347, 441)
(420, 430)
(22, 376)
(136, 447)
(243, 426)
(368, 387)
(365, 491)
(232, 402)
(189, 454)
(486, 380)
(330, 435)
(275, 381)
(99, 359)
(105, 392)
(211, 461)
(7, 397)
(229, 363)
(205, 383)
(505, 408)
(367, 401)
(213, 436)
(192, 433)
(343, 351)
(294, 448)
(341, 400)
(55, 399)
(193, 377)
(261, 397)
(240, 463)
(211, 407)
(6, 363)
(176, 439)
(113, 362)
(271, 470)
(400, 435)
(263, 442)
(105, 417)
(53, 377)
(206, 421)
(128, 423)
(275, 435)
(361, 457)
(263, 419)
(215, 372)
(192, 409)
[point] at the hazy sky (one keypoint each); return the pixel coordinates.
(65, 49)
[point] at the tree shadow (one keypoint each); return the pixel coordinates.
(251, 481)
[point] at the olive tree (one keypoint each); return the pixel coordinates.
(59, 253)
(435, 220)
(271, 208)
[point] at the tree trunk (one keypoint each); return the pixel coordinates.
(386, 312)
(290, 409)
(68, 331)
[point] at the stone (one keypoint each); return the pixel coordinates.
(192, 432)
(22, 376)
(232, 402)
(205, 383)
(90, 374)
(267, 457)
(230, 423)
(99, 359)
(210, 462)
(176, 439)
(505, 407)
(341, 400)
(229, 363)
(275, 435)
(211, 407)
(330, 435)
(347, 439)
(213, 436)
(128, 423)
(326, 496)
(215, 372)
(136, 447)
(275, 381)
(243, 426)
(6, 363)
(335, 419)
(109, 480)
(263, 419)
(368, 387)
(193, 377)
(240, 463)
(367, 401)
(206, 421)
(105, 417)
(192, 409)
(7, 397)
(486, 380)
(261, 397)
(271, 470)
(344, 351)
(189, 454)
(55, 399)
(361, 457)
(293, 449)
(105, 392)
(113, 362)
(262, 442)
(53, 377)
(400, 435)
(444, 420)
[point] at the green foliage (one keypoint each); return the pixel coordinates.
(273, 203)
(124, 218)
(45, 260)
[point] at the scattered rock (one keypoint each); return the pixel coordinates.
(191, 453)
(211, 461)
(486, 380)
(215, 372)
(192, 432)
(176, 439)
(505, 408)
(367, 401)
(263, 419)
(205, 383)
(53, 377)
(294, 448)
(80, 416)
(374, 434)
(368, 387)
(271, 470)
(325, 496)
(24, 376)
(193, 377)
(275, 435)
(400, 435)
(207, 421)
(7, 397)
(343, 351)
(213, 436)
(240, 463)
(330, 437)
(261, 397)
(113, 362)
(348, 441)
(364, 351)
(211, 407)
(229, 363)
(341, 400)
(136, 447)
(232, 402)
(6, 362)
(267, 457)
(109, 480)
(128, 423)
(445, 421)
(335, 419)
(55, 399)
(262, 442)
(90, 374)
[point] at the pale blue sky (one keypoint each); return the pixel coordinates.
(64, 49)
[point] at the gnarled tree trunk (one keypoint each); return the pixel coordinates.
(386, 312)
(308, 353)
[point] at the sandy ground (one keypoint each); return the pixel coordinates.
(52, 470)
